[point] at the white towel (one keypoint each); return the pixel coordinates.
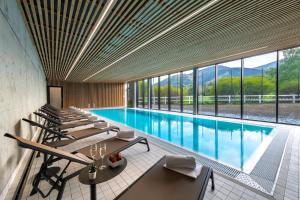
(180, 161)
(193, 173)
(126, 134)
(185, 165)
(101, 125)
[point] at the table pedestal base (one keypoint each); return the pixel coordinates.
(93, 192)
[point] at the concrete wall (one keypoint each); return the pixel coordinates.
(22, 86)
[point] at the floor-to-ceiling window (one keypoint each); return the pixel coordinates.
(259, 87)
(140, 91)
(130, 94)
(288, 86)
(206, 90)
(175, 92)
(164, 92)
(245, 88)
(146, 93)
(187, 87)
(229, 89)
(154, 97)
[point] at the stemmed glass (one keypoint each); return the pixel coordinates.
(93, 151)
(102, 152)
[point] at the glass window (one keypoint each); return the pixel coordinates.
(130, 94)
(288, 87)
(146, 94)
(164, 92)
(154, 97)
(229, 89)
(206, 90)
(259, 87)
(175, 92)
(140, 91)
(187, 82)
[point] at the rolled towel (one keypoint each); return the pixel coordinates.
(101, 125)
(92, 118)
(180, 161)
(126, 134)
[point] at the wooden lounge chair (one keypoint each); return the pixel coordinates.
(56, 138)
(57, 181)
(160, 183)
(59, 115)
(115, 145)
(52, 155)
(52, 108)
(59, 112)
(57, 124)
(62, 120)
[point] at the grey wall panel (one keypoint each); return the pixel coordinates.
(22, 85)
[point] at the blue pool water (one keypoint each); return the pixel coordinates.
(230, 143)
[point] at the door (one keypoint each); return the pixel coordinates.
(55, 97)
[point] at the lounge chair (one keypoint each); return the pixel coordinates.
(67, 125)
(160, 183)
(56, 138)
(115, 145)
(57, 122)
(58, 115)
(52, 155)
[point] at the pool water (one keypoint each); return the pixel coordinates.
(230, 143)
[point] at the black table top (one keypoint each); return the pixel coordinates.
(102, 175)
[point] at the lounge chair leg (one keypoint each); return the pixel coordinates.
(146, 141)
(61, 190)
(212, 181)
(35, 184)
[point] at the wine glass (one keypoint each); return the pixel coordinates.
(93, 151)
(102, 152)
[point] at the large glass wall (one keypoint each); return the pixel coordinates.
(140, 99)
(229, 89)
(175, 92)
(259, 87)
(130, 94)
(164, 80)
(245, 88)
(187, 86)
(288, 86)
(146, 94)
(206, 90)
(154, 97)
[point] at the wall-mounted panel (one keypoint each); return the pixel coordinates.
(91, 95)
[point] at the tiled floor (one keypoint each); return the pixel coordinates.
(139, 160)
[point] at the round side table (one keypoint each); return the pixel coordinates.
(102, 176)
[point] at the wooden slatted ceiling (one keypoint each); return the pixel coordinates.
(226, 30)
(59, 29)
